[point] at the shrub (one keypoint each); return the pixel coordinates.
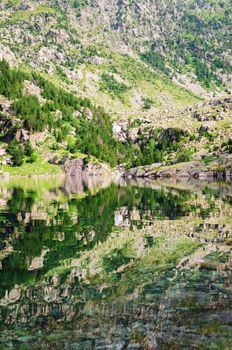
(16, 152)
(28, 149)
(111, 85)
(33, 158)
(156, 60)
(11, 81)
(184, 155)
(29, 109)
(147, 103)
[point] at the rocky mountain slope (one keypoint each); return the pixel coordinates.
(124, 55)
(151, 65)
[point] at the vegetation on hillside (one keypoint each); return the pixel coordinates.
(92, 137)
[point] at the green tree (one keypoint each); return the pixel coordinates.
(28, 149)
(16, 152)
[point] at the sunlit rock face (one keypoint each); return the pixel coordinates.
(140, 265)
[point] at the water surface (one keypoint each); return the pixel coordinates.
(101, 265)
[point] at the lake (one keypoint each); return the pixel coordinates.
(118, 265)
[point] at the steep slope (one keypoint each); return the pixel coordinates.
(44, 126)
(123, 54)
(69, 58)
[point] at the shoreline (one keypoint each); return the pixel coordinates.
(180, 171)
(188, 170)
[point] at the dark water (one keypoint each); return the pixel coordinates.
(115, 266)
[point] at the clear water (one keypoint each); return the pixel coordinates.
(103, 265)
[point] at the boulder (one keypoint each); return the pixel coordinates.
(170, 135)
(2, 152)
(88, 113)
(96, 60)
(22, 135)
(8, 55)
(32, 89)
(74, 167)
(79, 168)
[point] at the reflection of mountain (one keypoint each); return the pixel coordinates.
(66, 259)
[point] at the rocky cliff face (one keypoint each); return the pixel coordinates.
(79, 168)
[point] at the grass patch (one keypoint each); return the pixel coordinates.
(39, 167)
(21, 16)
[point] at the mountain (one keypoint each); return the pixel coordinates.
(108, 50)
(143, 62)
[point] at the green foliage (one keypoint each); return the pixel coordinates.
(203, 72)
(184, 155)
(59, 98)
(28, 149)
(112, 86)
(61, 72)
(210, 158)
(115, 259)
(62, 132)
(30, 152)
(33, 158)
(16, 152)
(11, 81)
(219, 63)
(147, 103)
(148, 153)
(78, 4)
(29, 109)
(95, 138)
(228, 145)
(156, 60)
(92, 127)
(169, 138)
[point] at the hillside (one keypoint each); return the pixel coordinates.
(118, 53)
(107, 81)
(43, 127)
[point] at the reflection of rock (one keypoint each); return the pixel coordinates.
(79, 184)
(74, 284)
(37, 262)
(135, 215)
(74, 185)
(12, 296)
(122, 217)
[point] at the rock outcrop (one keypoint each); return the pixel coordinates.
(212, 110)
(80, 168)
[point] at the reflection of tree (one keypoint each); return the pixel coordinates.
(93, 214)
(19, 203)
(73, 227)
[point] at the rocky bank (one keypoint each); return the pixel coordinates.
(194, 170)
